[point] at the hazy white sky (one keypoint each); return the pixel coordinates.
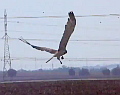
(87, 28)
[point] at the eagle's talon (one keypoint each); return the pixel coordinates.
(62, 57)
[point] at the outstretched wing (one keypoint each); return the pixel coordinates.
(69, 28)
(52, 51)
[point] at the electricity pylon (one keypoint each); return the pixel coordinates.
(7, 60)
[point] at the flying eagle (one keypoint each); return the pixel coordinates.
(69, 28)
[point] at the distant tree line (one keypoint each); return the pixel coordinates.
(104, 71)
(114, 71)
(81, 72)
(11, 73)
(84, 72)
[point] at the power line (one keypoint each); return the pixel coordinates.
(77, 40)
(60, 16)
(86, 42)
(66, 59)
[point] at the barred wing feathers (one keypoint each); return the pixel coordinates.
(52, 51)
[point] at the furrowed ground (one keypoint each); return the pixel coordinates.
(69, 87)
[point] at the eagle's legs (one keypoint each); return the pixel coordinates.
(49, 59)
(59, 59)
(62, 57)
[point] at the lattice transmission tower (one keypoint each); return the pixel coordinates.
(7, 59)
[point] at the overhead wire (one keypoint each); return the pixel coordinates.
(75, 40)
(66, 59)
(85, 42)
(56, 16)
(102, 15)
